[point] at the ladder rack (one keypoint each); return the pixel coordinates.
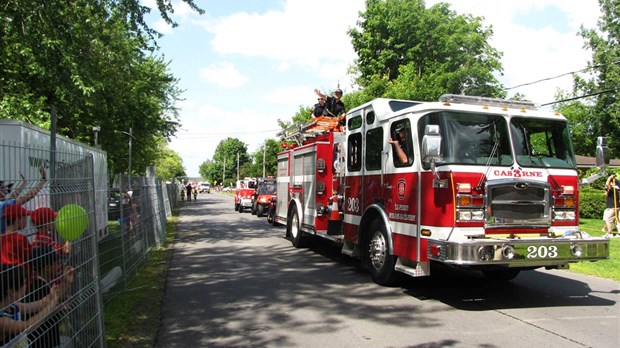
(320, 125)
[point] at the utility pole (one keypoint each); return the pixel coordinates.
(264, 150)
(237, 166)
(224, 170)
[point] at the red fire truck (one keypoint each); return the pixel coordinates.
(244, 193)
(470, 182)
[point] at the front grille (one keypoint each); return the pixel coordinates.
(513, 203)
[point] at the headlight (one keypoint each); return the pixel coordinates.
(576, 250)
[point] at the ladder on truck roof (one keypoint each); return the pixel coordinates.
(320, 125)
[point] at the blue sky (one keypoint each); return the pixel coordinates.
(244, 64)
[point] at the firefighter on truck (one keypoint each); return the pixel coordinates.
(486, 184)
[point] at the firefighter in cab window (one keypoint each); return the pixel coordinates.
(399, 146)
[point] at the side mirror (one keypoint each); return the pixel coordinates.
(601, 161)
(601, 152)
(431, 144)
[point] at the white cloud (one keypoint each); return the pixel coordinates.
(223, 74)
(303, 33)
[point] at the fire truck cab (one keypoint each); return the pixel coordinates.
(470, 182)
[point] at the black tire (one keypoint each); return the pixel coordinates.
(253, 209)
(240, 208)
(270, 218)
(501, 275)
(298, 237)
(260, 210)
(379, 260)
(236, 207)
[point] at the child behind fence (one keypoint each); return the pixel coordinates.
(13, 286)
(46, 265)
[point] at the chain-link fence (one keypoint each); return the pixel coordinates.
(63, 254)
(137, 225)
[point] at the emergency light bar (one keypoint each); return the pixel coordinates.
(463, 99)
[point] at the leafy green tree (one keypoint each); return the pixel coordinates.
(168, 164)
(209, 170)
(91, 63)
(230, 154)
(408, 51)
(604, 117)
(583, 123)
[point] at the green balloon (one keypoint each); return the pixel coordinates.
(71, 221)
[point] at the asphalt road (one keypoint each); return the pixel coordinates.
(235, 281)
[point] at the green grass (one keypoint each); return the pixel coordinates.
(132, 318)
(609, 268)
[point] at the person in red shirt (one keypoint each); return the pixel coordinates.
(14, 246)
(44, 220)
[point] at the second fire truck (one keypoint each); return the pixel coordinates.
(477, 183)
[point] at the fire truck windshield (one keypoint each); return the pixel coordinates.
(484, 139)
(542, 143)
(472, 139)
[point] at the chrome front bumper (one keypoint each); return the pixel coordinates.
(531, 252)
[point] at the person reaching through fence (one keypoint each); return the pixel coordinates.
(15, 247)
(47, 268)
(13, 197)
(13, 287)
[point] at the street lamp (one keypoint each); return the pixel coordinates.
(96, 130)
(130, 134)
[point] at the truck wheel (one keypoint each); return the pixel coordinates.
(380, 261)
(240, 208)
(270, 218)
(297, 236)
(260, 210)
(501, 275)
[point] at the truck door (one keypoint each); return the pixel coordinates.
(353, 188)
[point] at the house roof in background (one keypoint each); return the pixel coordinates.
(588, 162)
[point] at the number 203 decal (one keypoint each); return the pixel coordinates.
(353, 204)
(542, 252)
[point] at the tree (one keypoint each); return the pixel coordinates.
(223, 166)
(602, 117)
(168, 164)
(91, 62)
(407, 51)
(584, 124)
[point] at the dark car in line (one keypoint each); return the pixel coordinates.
(114, 205)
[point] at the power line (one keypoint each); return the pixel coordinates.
(583, 96)
(200, 135)
(564, 74)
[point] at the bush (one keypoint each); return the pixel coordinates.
(591, 203)
(592, 197)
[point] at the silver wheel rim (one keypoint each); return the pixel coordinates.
(294, 228)
(377, 250)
